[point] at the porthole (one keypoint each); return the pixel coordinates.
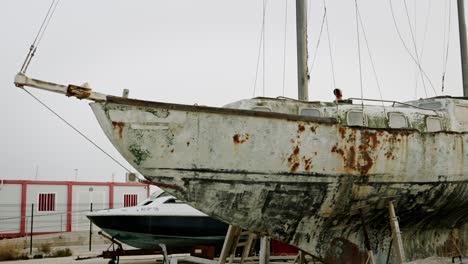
(397, 120)
(356, 118)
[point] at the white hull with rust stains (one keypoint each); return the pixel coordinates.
(302, 180)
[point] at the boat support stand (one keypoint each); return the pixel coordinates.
(115, 251)
(231, 243)
(396, 234)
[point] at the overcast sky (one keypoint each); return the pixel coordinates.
(196, 51)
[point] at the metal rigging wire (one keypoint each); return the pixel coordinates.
(318, 42)
(370, 56)
(426, 26)
(446, 34)
(32, 50)
(39, 35)
(260, 47)
(329, 45)
(406, 47)
(76, 130)
(415, 47)
(359, 59)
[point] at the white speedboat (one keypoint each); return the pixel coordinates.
(161, 219)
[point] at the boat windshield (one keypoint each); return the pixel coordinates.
(147, 202)
(173, 200)
(163, 194)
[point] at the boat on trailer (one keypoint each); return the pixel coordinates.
(161, 219)
(317, 175)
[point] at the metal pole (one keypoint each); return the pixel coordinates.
(31, 232)
(396, 234)
(301, 35)
(264, 257)
(90, 226)
(463, 45)
(370, 254)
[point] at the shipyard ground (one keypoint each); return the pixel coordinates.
(151, 259)
(69, 260)
(99, 246)
(83, 252)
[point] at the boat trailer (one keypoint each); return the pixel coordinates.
(198, 254)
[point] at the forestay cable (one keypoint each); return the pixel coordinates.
(39, 35)
(32, 50)
(76, 130)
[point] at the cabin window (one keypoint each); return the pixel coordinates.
(46, 202)
(173, 200)
(431, 105)
(310, 112)
(461, 113)
(130, 200)
(397, 120)
(356, 118)
(148, 202)
(433, 124)
(261, 109)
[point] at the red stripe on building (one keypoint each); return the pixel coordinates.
(40, 203)
(111, 195)
(74, 183)
(24, 188)
(69, 206)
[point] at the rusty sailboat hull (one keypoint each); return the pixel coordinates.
(308, 181)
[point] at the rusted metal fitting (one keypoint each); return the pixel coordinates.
(78, 91)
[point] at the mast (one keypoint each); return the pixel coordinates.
(301, 35)
(463, 45)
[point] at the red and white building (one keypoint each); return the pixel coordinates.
(60, 206)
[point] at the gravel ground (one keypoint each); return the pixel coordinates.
(151, 259)
(71, 260)
(83, 251)
(437, 260)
